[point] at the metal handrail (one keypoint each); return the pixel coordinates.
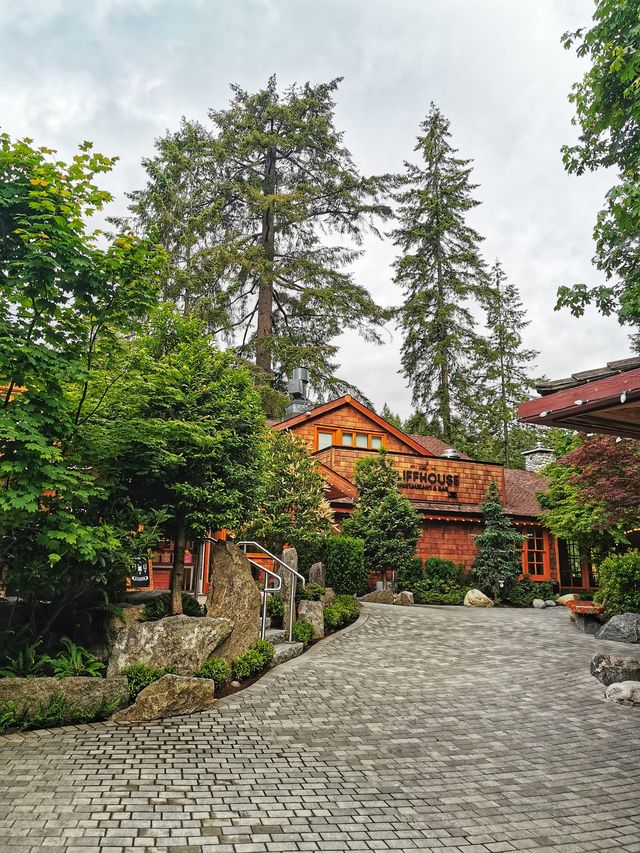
(295, 576)
(264, 592)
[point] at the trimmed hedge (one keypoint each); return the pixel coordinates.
(619, 581)
(341, 612)
(346, 571)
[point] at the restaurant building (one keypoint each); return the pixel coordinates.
(444, 486)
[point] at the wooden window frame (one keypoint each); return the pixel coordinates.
(337, 438)
(527, 530)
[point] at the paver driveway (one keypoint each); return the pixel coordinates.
(419, 729)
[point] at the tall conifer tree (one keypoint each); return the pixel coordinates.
(506, 379)
(440, 271)
(264, 191)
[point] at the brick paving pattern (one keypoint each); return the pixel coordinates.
(432, 729)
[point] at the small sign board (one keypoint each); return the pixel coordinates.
(140, 572)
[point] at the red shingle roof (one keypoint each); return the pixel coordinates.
(520, 491)
(435, 445)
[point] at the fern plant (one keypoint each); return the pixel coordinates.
(76, 661)
(26, 664)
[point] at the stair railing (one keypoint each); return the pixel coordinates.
(295, 577)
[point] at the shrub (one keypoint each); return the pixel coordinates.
(342, 611)
(619, 578)
(346, 572)
(303, 632)
(409, 573)
(26, 664)
(427, 592)
(248, 664)
(437, 569)
(311, 551)
(76, 661)
(160, 607)
(140, 675)
(266, 650)
(275, 611)
(522, 593)
(311, 592)
(497, 564)
(217, 669)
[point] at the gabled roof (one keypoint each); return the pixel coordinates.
(339, 483)
(348, 400)
(520, 489)
(436, 446)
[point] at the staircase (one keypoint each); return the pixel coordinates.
(264, 565)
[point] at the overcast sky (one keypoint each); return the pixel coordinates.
(121, 72)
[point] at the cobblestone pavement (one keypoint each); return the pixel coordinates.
(433, 729)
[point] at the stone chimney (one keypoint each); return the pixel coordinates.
(536, 459)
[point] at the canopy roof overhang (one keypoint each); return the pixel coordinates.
(606, 400)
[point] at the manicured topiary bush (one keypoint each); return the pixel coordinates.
(303, 632)
(217, 669)
(345, 568)
(253, 661)
(619, 581)
(439, 592)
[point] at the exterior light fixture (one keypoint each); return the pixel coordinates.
(579, 402)
(543, 414)
(618, 440)
(623, 397)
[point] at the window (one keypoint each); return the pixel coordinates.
(362, 439)
(325, 439)
(533, 552)
(376, 442)
(571, 560)
(347, 439)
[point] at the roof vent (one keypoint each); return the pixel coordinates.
(451, 453)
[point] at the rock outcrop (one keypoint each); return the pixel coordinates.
(475, 598)
(379, 596)
(311, 612)
(182, 641)
(404, 598)
(317, 574)
(624, 693)
(169, 696)
(234, 594)
(624, 628)
(80, 691)
(612, 670)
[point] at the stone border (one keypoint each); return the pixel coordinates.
(260, 684)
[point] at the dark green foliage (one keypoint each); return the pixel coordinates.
(440, 272)
(619, 582)
(217, 669)
(522, 593)
(160, 607)
(346, 572)
(69, 299)
(249, 213)
(75, 661)
(28, 663)
(254, 661)
(437, 569)
(341, 612)
(312, 592)
(310, 551)
(426, 592)
(292, 506)
(140, 675)
(498, 562)
(302, 632)
(607, 104)
(248, 664)
(57, 712)
(275, 611)
(409, 573)
(383, 518)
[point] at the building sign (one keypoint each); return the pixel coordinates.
(424, 480)
(140, 572)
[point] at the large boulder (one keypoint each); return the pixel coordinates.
(317, 574)
(624, 693)
(624, 628)
(404, 598)
(587, 624)
(329, 596)
(475, 598)
(311, 612)
(379, 596)
(185, 642)
(79, 691)
(234, 594)
(611, 670)
(289, 558)
(169, 696)
(538, 603)
(566, 599)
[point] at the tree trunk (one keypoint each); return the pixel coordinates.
(177, 575)
(265, 290)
